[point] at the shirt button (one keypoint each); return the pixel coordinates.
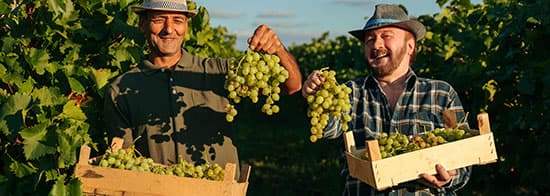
(162, 69)
(174, 91)
(171, 79)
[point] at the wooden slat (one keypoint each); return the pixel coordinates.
(483, 123)
(349, 141)
(245, 173)
(373, 150)
(84, 155)
(230, 170)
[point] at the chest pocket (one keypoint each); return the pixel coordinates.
(420, 121)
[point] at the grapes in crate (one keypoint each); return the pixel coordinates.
(397, 143)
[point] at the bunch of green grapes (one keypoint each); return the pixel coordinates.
(126, 160)
(397, 143)
(185, 169)
(257, 74)
(451, 134)
(332, 99)
(393, 144)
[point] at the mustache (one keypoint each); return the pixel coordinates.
(377, 53)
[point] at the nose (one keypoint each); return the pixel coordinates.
(168, 27)
(378, 42)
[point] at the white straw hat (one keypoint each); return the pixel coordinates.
(165, 5)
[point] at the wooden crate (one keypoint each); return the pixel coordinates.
(384, 173)
(109, 181)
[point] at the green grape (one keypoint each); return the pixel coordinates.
(130, 161)
(256, 75)
(327, 101)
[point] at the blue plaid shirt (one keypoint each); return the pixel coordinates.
(419, 108)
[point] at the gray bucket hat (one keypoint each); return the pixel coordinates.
(165, 5)
(391, 15)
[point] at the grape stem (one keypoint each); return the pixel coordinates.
(241, 61)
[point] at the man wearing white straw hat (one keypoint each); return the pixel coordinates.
(393, 98)
(172, 104)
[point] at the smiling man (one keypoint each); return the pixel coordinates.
(172, 105)
(393, 98)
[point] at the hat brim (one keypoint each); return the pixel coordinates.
(140, 10)
(413, 26)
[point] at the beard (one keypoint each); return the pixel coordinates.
(393, 60)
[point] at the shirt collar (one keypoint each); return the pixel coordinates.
(148, 68)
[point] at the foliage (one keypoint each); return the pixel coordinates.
(59, 56)
(493, 54)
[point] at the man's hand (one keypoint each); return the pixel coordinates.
(442, 178)
(265, 40)
(312, 83)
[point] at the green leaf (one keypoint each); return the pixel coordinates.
(38, 59)
(76, 86)
(64, 11)
(21, 169)
(72, 111)
(4, 9)
(74, 187)
(16, 102)
(35, 142)
(27, 86)
(48, 96)
(59, 188)
(67, 147)
(101, 77)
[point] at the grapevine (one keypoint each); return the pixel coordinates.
(257, 74)
(332, 99)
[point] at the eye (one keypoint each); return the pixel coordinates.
(180, 20)
(369, 40)
(157, 20)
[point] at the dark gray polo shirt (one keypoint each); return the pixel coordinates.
(175, 113)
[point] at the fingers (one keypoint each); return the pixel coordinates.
(265, 40)
(442, 173)
(442, 177)
(312, 83)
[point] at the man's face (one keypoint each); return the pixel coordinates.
(386, 49)
(165, 31)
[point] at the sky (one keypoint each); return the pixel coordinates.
(299, 21)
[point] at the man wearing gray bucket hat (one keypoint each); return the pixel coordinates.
(173, 103)
(392, 97)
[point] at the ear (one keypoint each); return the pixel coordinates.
(141, 23)
(411, 45)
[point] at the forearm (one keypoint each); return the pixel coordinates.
(294, 82)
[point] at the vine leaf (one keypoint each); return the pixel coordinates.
(11, 112)
(38, 59)
(35, 141)
(72, 111)
(21, 169)
(72, 188)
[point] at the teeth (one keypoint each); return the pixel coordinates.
(379, 53)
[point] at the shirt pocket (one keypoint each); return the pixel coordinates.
(422, 121)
